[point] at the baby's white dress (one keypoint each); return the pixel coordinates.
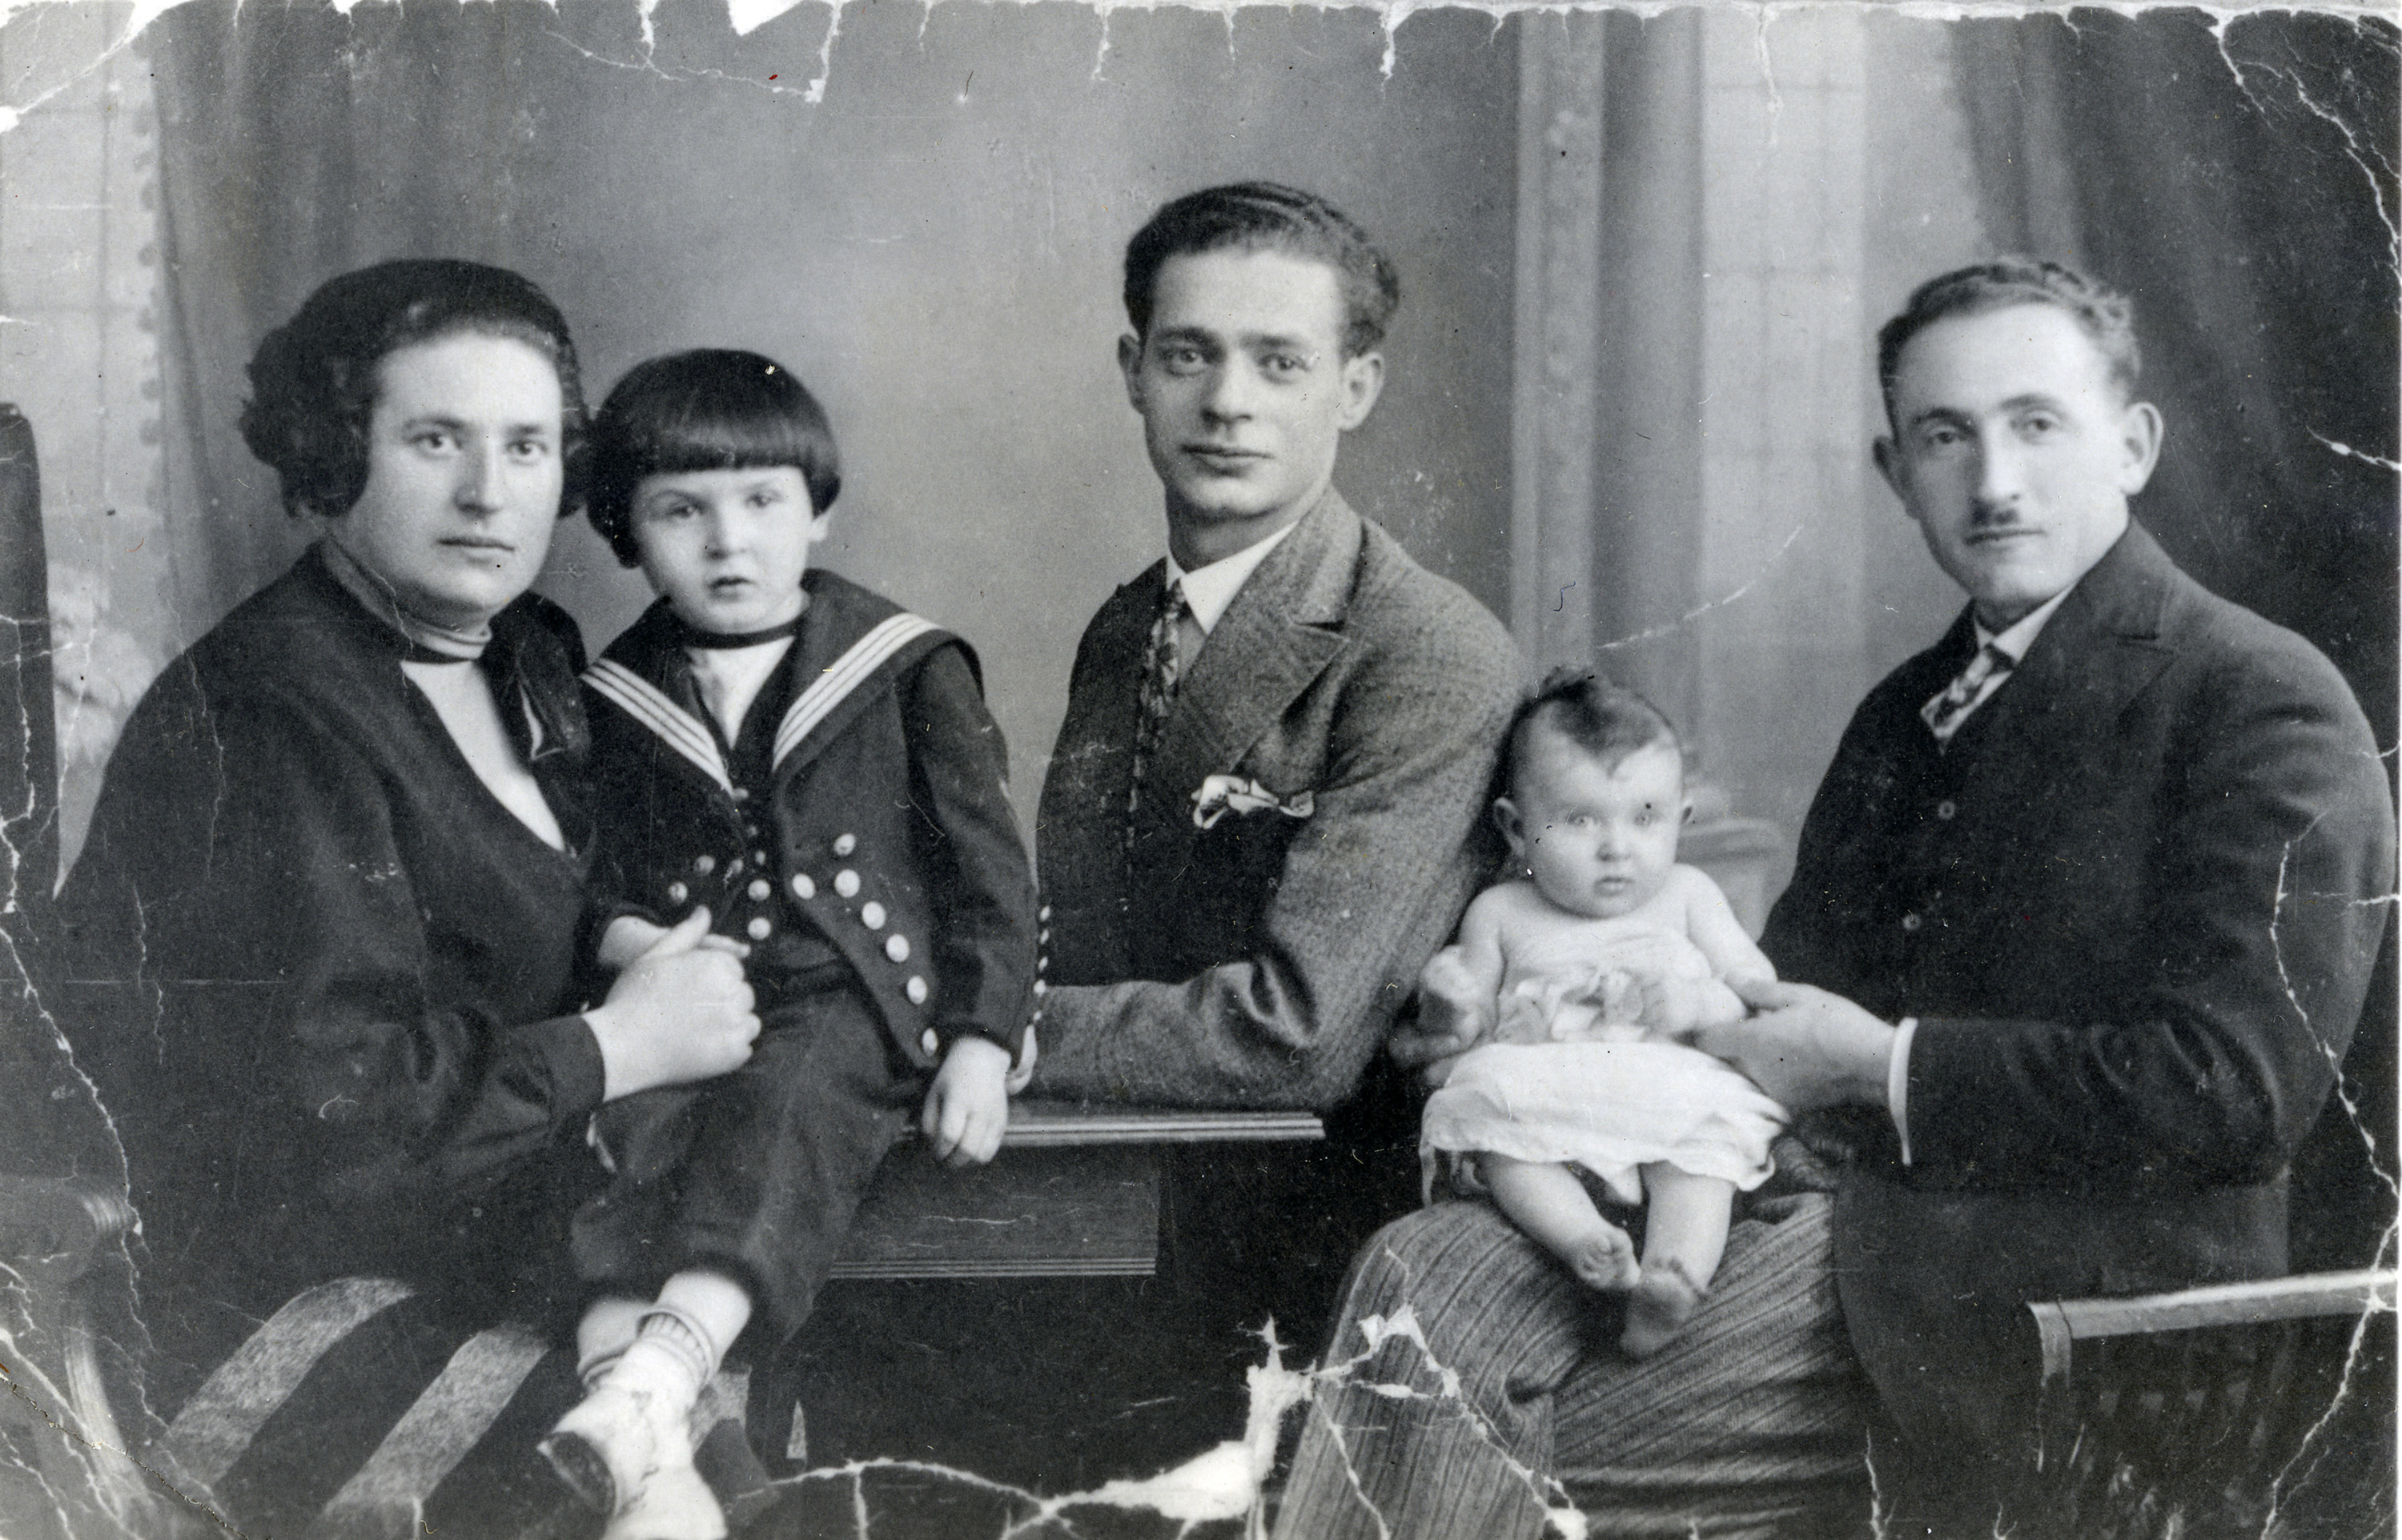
(1573, 1078)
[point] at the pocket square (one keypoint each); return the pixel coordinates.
(1222, 794)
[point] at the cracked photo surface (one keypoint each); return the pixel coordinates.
(742, 796)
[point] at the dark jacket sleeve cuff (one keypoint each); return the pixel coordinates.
(571, 1056)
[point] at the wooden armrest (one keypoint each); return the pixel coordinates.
(2062, 1324)
(1074, 1193)
(53, 1226)
(1039, 1124)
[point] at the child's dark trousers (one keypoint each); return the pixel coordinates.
(755, 1174)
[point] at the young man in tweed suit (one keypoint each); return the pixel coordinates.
(1263, 811)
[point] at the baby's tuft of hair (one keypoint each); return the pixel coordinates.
(708, 409)
(1596, 714)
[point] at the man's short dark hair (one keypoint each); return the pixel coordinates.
(1256, 216)
(2105, 314)
(315, 380)
(1594, 712)
(709, 409)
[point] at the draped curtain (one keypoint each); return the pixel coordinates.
(277, 172)
(2238, 179)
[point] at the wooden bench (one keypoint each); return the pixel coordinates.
(1074, 1192)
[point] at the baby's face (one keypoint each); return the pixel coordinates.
(728, 548)
(1599, 840)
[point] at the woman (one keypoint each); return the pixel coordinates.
(335, 878)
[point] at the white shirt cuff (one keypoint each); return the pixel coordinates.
(1896, 1082)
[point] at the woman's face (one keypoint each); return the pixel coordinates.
(463, 476)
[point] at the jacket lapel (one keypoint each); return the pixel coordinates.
(1106, 708)
(1281, 631)
(1080, 830)
(2098, 653)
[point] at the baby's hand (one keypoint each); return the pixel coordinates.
(1452, 1005)
(967, 1109)
(629, 936)
(1454, 1012)
(1678, 1008)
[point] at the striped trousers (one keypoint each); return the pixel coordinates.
(1473, 1389)
(363, 1410)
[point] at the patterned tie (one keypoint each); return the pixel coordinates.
(1981, 678)
(1163, 665)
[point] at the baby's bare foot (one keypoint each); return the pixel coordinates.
(1657, 1307)
(1603, 1258)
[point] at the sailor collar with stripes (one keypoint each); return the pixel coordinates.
(629, 676)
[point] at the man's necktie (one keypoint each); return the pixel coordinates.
(1163, 665)
(1981, 678)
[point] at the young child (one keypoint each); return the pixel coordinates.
(815, 769)
(1579, 970)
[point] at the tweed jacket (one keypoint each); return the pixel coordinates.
(884, 833)
(2134, 905)
(1310, 828)
(323, 979)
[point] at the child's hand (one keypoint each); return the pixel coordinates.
(1455, 1013)
(1678, 1008)
(629, 936)
(968, 1106)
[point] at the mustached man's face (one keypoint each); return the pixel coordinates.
(2015, 451)
(1245, 393)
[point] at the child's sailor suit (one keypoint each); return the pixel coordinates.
(857, 836)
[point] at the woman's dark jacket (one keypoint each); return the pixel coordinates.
(320, 971)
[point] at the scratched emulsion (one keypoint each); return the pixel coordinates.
(1223, 1485)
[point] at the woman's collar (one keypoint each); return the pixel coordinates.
(429, 641)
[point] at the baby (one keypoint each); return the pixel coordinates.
(1580, 971)
(809, 772)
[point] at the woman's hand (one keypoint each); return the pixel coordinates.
(679, 1011)
(967, 1110)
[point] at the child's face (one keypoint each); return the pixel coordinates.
(728, 547)
(1599, 840)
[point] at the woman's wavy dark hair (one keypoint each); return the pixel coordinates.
(708, 409)
(313, 381)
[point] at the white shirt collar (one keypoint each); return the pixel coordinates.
(1207, 590)
(2023, 631)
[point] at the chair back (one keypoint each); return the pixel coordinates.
(28, 779)
(2246, 1408)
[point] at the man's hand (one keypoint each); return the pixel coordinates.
(1806, 1047)
(967, 1110)
(1455, 1013)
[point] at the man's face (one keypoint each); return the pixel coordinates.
(2015, 452)
(1245, 393)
